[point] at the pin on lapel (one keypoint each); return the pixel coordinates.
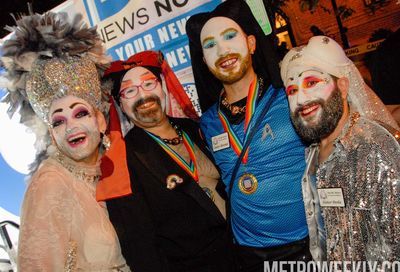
(173, 180)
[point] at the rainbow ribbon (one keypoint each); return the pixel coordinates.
(191, 167)
(250, 109)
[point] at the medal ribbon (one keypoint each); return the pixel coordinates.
(190, 168)
(250, 109)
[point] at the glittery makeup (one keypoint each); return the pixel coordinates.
(225, 49)
(306, 85)
(75, 129)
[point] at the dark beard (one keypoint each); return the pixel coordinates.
(332, 111)
(149, 115)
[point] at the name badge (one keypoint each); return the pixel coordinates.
(331, 197)
(220, 142)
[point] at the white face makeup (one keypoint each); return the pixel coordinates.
(146, 103)
(75, 128)
(225, 49)
(306, 88)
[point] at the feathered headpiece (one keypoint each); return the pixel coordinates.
(46, 58)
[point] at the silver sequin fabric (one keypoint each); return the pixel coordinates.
(365, 164)
(58, 77)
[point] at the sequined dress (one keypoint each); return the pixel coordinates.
(63, 228)
(365, 164)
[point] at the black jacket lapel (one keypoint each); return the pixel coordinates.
(151, 155)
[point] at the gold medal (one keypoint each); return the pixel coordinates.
(248, 183)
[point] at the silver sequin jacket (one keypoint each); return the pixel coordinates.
(365, 163)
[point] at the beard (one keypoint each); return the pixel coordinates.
(232, 76)
(152, 115)
(332, 111)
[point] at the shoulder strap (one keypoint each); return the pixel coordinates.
(245, 146)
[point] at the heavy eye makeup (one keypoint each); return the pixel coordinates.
(230, 34)
(209, 43)
(57, 121)
(291, 90)
(81, 112)
(311, 81)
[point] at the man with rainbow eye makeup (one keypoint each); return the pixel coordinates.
(351, 183)
(173, 218)
(237, 78)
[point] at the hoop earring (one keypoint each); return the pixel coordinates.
(105, 141)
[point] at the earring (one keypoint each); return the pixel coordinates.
(105, 141)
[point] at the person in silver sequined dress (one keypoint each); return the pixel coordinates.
(351, 182)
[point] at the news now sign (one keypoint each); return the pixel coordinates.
(128, 27)
(132, 26)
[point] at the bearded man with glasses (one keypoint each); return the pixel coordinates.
(173, 219)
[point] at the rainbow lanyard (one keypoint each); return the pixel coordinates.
(250, 109)
(190, 168)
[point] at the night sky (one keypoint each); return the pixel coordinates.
(21, 6)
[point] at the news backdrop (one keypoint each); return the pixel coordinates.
(128, 27)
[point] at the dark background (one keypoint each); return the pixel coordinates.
(20, 6)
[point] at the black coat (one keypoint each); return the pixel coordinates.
(167, 230)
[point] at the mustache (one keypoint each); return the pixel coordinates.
(141, 101)
(226, 57)
(301, 107)
(332, 111)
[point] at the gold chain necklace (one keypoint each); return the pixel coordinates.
(237, 109)
(232, 108)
